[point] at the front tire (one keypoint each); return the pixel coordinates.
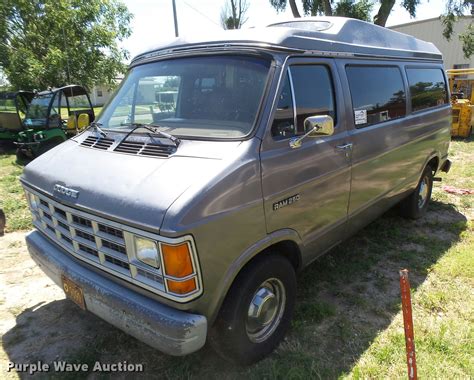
(257, 311)
(416, 204)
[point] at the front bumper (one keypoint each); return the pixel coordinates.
(171, 331)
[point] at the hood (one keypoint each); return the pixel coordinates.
(127, 188)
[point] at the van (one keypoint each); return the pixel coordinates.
(188, 219)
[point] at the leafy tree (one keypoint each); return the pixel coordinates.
(346, 8)
(362, 9)
(454, 9)
(56, 42)
(233, 14)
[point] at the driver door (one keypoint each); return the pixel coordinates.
(306, 189)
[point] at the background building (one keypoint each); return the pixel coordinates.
(432, 30)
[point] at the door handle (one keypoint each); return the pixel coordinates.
(344, 146)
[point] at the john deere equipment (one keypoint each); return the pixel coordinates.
(52, 117)
(13, 107)
(462, 100)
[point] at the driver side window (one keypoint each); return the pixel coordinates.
(283, 125)
(314, 95)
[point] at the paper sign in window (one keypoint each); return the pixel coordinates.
(360, 117)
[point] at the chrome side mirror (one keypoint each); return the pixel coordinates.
(315, 126)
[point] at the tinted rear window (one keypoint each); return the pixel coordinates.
(378, 94)
(427, 88)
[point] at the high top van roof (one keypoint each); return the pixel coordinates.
(330, 36)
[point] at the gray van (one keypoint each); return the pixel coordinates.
(222, 167)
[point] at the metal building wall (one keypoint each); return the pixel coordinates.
(431, 30)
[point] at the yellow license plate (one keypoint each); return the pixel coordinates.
(73, 292)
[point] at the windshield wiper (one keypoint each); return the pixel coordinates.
(154, 129)
(96, 125)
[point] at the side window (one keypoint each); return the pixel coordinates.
(427, 88)
(55, 113)
(314, 93)
(64, 111)
(377, 92)
(284, 123)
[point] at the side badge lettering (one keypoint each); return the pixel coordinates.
(286, 202)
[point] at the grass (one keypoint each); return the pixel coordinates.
(347, 322)
(12, 199)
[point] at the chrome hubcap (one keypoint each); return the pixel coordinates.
(265, 310)
(423, 192)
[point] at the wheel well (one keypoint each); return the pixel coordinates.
(433, 163)
(286, 248)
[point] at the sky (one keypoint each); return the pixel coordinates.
(153, 19)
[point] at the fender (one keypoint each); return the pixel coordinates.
(246, 256)
(434, 154)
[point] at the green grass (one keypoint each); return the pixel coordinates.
(12, 199)
(347, 322)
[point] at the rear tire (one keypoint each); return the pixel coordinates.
(416, 204)
(257, 311)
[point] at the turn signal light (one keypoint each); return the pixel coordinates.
(181, 287)
(177, 260)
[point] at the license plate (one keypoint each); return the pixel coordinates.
(73, 292)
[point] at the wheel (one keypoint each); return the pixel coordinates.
(3, 220)
(21, 157)
(257, 311)
(416, 204)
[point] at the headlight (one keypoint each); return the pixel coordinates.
(147, 251)
(38, 136)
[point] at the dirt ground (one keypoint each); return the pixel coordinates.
(24, 290)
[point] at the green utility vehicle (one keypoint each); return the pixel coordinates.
(13, 107)
(52, 117)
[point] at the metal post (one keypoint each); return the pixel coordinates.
(175, 19)
(408, 324)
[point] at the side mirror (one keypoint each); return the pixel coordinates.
(318, 126)
(315, 126)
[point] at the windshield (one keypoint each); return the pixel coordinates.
(7, 104)
(209, 97)
(38, 108)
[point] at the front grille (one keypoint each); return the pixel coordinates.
(111, 231)
(98, 241)
(142, 148)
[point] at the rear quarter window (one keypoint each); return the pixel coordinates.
(377, 92)
(427, 88)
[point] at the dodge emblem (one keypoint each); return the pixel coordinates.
(66, 191)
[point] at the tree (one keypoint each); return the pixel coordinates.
(56, 42)
(454, 9)
(233, 14)
(362, 9)
(346, 8)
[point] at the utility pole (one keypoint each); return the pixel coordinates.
(175, 19)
